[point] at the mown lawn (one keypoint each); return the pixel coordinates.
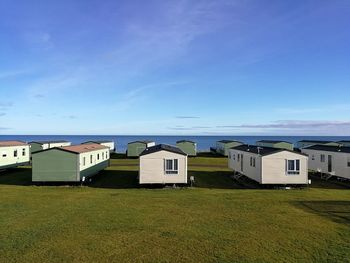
(114, 220)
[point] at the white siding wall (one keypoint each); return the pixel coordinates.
(97, 157)
(151, 144)
(52, 145)
(339, 162)
(248, 170)
(110, 145)
(274, 169)
(152, 168)
(7, 155)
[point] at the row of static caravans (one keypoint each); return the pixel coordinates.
(223, 146)
(37, 146)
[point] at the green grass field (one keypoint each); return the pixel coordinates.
(219, 220)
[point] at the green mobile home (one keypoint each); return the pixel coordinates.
(70, 163)
(13, 154)
(276, 144)
(223, 146)
(44, 145)
(307, 143)
(344, 143)
(188, 147)
(137, 147)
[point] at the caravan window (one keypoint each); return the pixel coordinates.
(23, 152)
(252, 161)
(348, 161)
(293, 167)
(323, 158)
(15, 153)
(171, 166)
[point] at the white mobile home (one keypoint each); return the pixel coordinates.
(13, 154)
(163, 164)
(109, 144)
(70, 163)
(267, 165)
(44, 145)
(332, 160)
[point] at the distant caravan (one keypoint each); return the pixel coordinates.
(13, 154)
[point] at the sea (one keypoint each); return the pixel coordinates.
(203, 142)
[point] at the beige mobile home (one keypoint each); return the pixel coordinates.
(276, 144)
(13, 154)
(69, 163)
(163, 164)
(267, 165)
(223, 146)
(109, 144)
(332, 160)
(44, 145)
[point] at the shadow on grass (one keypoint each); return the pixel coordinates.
(210, 154)
(118, 156)
(332, 183)
(337, 211)
(16, 176)
(115, 179)
(121, 179)
(221, 180)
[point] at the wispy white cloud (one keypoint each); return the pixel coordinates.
(136, 95)
(308, 110)
(6, 104)
(293, 124)
(39, 39)
(187, 117)
(13, 73)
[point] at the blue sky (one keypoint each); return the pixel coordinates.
(220, 67)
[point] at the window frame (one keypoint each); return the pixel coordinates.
(296, 167)
(173, 168)
(322, 158)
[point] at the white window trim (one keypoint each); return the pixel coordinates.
(171, 171)
(295, 171)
